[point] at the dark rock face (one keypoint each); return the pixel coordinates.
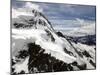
(60, 34)
(85, 53)
(68, 52)
(21, 25)
(42, 62)
(22, 54)
(50, 35)
(94, 64)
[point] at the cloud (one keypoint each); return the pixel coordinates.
(85, 28)
(65, 17)
(25, 9)
(17, 12)
(88, 29)
(67, 11)
(81, 21)
(77, 27)
(30, 5)
(61, 11)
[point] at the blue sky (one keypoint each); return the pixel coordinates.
(64, 11)
(65, 16)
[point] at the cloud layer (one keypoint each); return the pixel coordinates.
(71, 19)
(25, 9)
(83, 28)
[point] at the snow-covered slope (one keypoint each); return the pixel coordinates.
(35, 40)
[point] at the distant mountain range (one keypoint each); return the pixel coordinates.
(88, 39)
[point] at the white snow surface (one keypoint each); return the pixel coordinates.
(47, 45)
(23, 66)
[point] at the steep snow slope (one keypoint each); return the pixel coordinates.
(35, 35)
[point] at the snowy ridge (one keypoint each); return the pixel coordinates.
(35, 35)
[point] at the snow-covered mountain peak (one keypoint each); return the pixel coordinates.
(39, 28)
(30, 19)
(34, 37)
